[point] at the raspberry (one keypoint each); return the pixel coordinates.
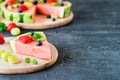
(23, 7)
(1, 39)
(54, 0)
(11, 2)
(25, 39)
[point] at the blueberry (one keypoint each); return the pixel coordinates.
(48, 16)
(39, 43)
(54, 19)
(32, 33)
(35, 2)
(61, 4)
(44, 1)
(21, 1)
(20, 10)
(6, 5)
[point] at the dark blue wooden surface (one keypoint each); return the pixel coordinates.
(89, 47)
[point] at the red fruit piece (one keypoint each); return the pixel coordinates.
(1, 39)
(11, 26)
(54, 0)
(23, 7)
(25, 39)
(11, 2)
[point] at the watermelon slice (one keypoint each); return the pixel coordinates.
(31, 49)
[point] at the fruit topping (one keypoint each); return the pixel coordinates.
(44, 1)
(34, 62)
(56, 4)
(27, 60)
(19, 10)
(35, 2)
(15, 31)
(25, 39)
(2, 27)
(21, 1)
(23, 7)
(39, 43)
(8, 57)
(6, 5)
(36, 36)
(53, 19)
(5, 56)
(11, 2)
(48, 16)
(13, 59)
(32, 33)
(1, 52)
(54, 0)
(2, 40)
(28, 4)
(61, 4)
(11, 26)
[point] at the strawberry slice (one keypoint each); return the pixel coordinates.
(2, 39)
(23, 7)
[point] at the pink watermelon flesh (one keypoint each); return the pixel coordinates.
(50, 9)
(41, 52)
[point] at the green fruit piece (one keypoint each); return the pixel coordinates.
(54, 16)
(13, 59)
(1, 52)
(15, 31)
(27, 60)
(34, 62)
(27, 18)
(2, 27)
(10, 7)
(15, 6)
(56, 4)
(30, 0)
(5, 56)
(36, 36)
(42, 2)
(28, 4)
(42, 38)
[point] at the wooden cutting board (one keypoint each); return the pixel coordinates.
(41, 22)
(22, 67)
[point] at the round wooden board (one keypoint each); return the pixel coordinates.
(7, 68)
(41, 22)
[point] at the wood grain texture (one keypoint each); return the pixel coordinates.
(41, 22)
(7, 68)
